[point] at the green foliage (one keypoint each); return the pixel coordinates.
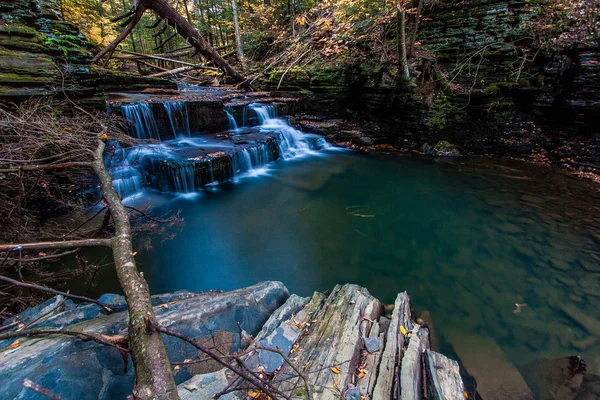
(63, 43)
(440, 112)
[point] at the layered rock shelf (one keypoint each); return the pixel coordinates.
(338, 346)
(203, 137)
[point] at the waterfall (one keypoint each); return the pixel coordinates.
(251, 157)
(233, 126)
(182, 178)
(178, 116)
(140, 120)
(265, 113)
(290, 140)
(126, 179)
(182, 165)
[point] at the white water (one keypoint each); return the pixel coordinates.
(179, 118)
(163, 166)
(140, 121)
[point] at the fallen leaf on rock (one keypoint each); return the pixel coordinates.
(255, 394)
(16, 344)
(335, 370)
(402, 330)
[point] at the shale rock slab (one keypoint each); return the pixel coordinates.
(86, 370)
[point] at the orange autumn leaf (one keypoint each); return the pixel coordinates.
(16, 344)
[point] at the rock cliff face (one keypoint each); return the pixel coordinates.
(42, 55)
(494, 100)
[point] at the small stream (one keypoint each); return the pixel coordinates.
(468, 239)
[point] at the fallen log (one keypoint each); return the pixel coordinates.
(162, 59)
(181, 70)
(172, 18)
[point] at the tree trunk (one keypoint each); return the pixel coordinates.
(111, 47)
(413, 38)
(164, 10)
(238, 39)
(153, 377)
(401, 38)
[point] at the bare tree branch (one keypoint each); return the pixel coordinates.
(53, 291)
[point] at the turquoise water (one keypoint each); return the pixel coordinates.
(467, 240)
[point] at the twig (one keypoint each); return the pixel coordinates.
(49, 290)
(60, 303)
(43, 258)
(291, 364)
(84, 222)
(259, 384)
(113, 341)
(148, 216)
(291, 65)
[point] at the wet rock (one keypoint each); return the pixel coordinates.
(445, 149)
(426, 320)
(372, 344)
(443, 376)
(205, 386)
(85, 370)
(353, 393)
(395, 344)
(426, 149)
(357, 137)
(331, 335)
(411, 378)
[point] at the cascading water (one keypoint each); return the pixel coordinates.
(127, 179)
(181, 178)
(291, 141)
(251, 157)
(232, 122)
(185, 164)
(141, 122)
(179, 118)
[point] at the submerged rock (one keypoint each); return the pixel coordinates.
(497, 378)
(558, 379)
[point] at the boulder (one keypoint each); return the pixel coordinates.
(87, 370)
(445, 149)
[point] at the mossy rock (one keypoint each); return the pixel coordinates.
(21, 62)
(445, 149)
(20, 79)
